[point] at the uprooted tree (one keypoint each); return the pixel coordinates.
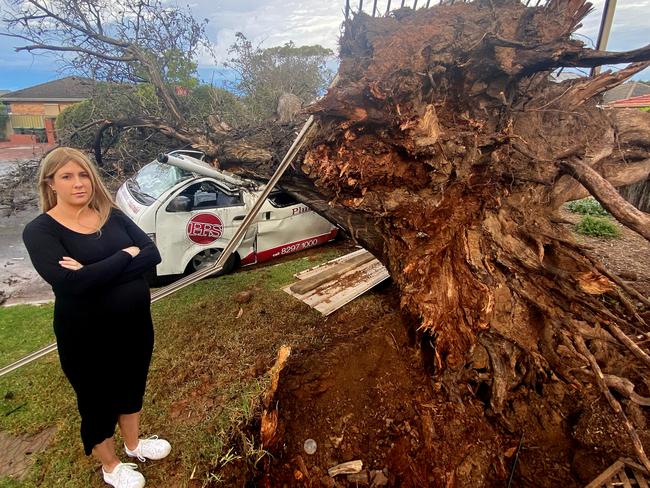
(446, 150)
(452, 149)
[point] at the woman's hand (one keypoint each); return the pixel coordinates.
(132, 250)
(69, 263)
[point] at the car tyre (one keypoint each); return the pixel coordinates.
(208, 257)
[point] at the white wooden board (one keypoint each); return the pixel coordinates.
(332, 295)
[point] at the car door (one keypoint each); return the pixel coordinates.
(288, 226)
(201, 215)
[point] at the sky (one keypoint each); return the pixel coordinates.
(273, 22)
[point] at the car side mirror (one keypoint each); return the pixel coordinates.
(180, 203)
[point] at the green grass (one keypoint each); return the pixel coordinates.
(200, 383)
(597, 227)
(24, 329)
(587, 206)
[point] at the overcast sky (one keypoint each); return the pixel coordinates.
(274, 22)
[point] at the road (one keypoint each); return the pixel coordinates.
(19, 282)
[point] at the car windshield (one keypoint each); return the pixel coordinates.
(155, 179)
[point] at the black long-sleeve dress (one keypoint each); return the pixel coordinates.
(102, 317)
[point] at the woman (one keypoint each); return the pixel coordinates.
(94, 258)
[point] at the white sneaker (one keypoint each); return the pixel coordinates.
(124, 476)
(151, 448)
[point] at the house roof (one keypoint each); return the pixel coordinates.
(641, 101)
(627, 90)
(69, 89)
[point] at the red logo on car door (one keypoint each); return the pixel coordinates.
(204, 228)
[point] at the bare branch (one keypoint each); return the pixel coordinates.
(45, 47)
(77, 27)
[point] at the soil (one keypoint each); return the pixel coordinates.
(627, 256)
(365, 393)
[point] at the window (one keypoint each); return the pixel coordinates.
(281, 199)
(153, 180)
(208, 195)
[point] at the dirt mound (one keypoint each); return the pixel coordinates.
(362, 393)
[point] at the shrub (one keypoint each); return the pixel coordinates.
(73, 118)
(4, 119)
(597, 227)
(587, 206)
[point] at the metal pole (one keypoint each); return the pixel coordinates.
(415, 4)
(28, 359)
(347, 9)
(374, 8)
(605, 29)
(360, 6)
(388, 8)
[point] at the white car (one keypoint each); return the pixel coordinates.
(191, 210)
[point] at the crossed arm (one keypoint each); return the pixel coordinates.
(50, 260)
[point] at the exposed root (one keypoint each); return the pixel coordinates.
(626, 388)
(629, 343)
(616, 279)
(608, 196)
(616, 406)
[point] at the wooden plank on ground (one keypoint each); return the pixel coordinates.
(340, 290)
(623, 476)
(605, 477)
(640, 479)
(639, 471)
(634, 465)
(308, 273)
(330, 274)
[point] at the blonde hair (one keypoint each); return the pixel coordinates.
(100, 199)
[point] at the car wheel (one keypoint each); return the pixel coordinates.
(207, 258)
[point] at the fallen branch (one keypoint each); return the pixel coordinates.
(616, 406)
(586, 58)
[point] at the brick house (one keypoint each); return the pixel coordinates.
(32, 111)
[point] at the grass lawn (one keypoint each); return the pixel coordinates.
(204, 378)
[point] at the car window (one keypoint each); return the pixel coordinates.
(206, 194)
(155, 179)
(281, 199)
